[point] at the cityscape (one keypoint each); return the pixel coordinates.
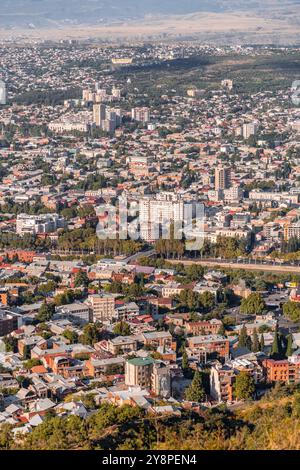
(149, 245)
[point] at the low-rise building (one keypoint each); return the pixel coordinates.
(207, 347)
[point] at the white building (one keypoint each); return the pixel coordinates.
(103, 307)
(140, 114)
(250, 129)
(158, 213)
(44, 223)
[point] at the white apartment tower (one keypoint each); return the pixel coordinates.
(141, 115)
(157, 213)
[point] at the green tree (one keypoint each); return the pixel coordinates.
(262, 343)
(243, 337)
(244, 386)
(46, 312)
(296, 406)
(185, 361)
(275, 351)
(255, 341)
(71, 335)
(122, 329)
(194, 272)
(222, 330)
(253, 305)
(207, 300)
(32, 363)
(81, 279)
(195, 392)
(90, 334)
(292, 310)
(6, 437)
(289, 348)
(249, 343)
(11, 343)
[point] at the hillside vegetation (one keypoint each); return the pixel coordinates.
(271, 424)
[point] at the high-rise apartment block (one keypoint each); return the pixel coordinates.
(222, 178)
(103, 307)
(140, 114)
(106, 118)
(157, 213)
(250, 129)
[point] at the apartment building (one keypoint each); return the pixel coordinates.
(77, 312)
(33, 224)
(122, 345)
(9, 321)
(222, 178)
(157, 213)
(207, 327)
(286, 371)
(222, 377)
(172, 289)
(157, 339)
(103, 307)
(141, 114)
(161, 380)
(205, 347)
(138, 372)
(250, 129)
(221, 382)
(140, 165)
(97, 367)
(292, 230)
(99, 114)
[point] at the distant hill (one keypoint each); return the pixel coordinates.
(235, 21)
(47, 12)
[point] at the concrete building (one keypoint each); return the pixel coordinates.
(138, 372)
(222, 178)
(33, 224)
(9, 322)
(78, 312)
(292, 230)
(140, 115)
(249, 129)
(161, 380)
(159, 212)
(99, 114)
(206, 347)
(103, 307)
(122, 345)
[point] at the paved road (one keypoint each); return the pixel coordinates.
(247, 264)
(276, 268)
(127, 260)
(132, 258)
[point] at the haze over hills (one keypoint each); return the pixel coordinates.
(97, 10)
(152, 18)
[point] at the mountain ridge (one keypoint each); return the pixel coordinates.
(20, 12)
(217, 21)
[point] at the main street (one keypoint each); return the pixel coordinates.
(246, 264)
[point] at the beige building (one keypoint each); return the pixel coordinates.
(171, 289)
(147, 373)
(161, 380)
(138, 372)
(122, 345)
(103, 307)
(99, 114)
(222, 178)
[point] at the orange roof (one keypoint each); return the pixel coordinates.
(38, 370)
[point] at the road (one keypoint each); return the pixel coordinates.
(127, 260)
(246, 263)
(140, 254)
(241, 264)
